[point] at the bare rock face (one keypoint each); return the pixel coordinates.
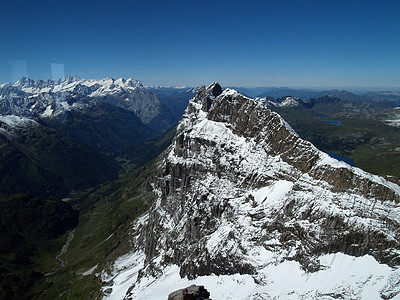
(142, 102)
(227, 147)
(237, 182)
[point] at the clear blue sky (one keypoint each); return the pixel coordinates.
(238, 43)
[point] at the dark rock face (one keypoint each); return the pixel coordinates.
(237, 181)
(215, 89)
(193, 292)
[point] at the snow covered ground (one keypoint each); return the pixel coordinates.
(394, 122)
(342, 277)
(13, 121)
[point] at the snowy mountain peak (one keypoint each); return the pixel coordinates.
(240, 198)
(70, 84)
(24, 81)
(69, 79)
(132, 82)
(30, 98)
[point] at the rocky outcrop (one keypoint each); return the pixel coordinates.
(238, 190)
(192, 292)
(206, 152)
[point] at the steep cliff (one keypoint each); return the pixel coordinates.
(238, 192)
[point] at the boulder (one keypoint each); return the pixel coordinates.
(193, 292)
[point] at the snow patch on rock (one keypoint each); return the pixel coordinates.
(238, 194)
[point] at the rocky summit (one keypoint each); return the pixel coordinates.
(246, 207)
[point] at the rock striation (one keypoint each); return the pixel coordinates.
(238, 190)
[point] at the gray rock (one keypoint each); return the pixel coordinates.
(206, 218)
(192, 292)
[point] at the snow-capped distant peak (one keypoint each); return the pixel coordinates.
(289, 102)
(230, 92)
(69, 79)
(92, 87)
(284, 102)
(40, 98)
(115, 86)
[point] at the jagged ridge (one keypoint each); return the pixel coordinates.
(238, 185)
(30, 98)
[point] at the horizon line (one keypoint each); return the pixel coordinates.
(183, 86)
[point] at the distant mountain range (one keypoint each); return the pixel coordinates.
(62, 136)
(27, 97)
(380, 96)
(183, 94)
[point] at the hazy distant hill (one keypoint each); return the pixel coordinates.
(392, 97)
(176, 98)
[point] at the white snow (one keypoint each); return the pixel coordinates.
(48, 98)
(215, 131)
(219, 235)
(289, 102)
(65, 105)
(393, 122)
(67, 84)
(12, 121)
(352, 277)
(112, 86)
(128, 267)
(48, 112)
(273, 193)
(89, 272)
(229, 92)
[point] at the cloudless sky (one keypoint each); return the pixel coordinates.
(238, 43)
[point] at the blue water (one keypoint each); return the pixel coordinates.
(332, 122)
(342, 158)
